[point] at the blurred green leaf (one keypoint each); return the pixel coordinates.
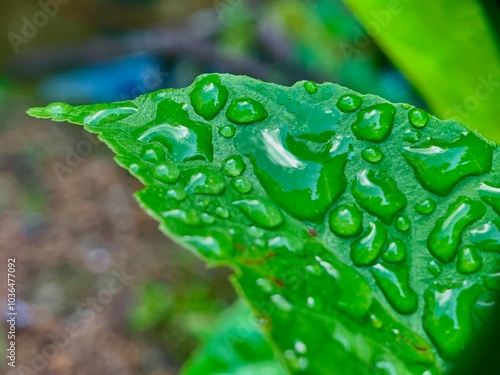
(362, 232)
(236, 346)
(448, 50)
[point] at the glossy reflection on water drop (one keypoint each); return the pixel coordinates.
(372, 154)
(262, 213)
(490, 194)
(233, 166)
(311, 87)
(246, 111)
(204, 181)
(402, 223)
(426, 207)
(418, 117)
(395, 252)
(487, 238)
(445, 237)
(209, 96)
(346, 221)
(349, 102)
(242, 185)
(366, 249)
(374, 123)
(188, 216)
(468, 260)
(222, 212)
(227, 131)
(153, 153)
(166, 172)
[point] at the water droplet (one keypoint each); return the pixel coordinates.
(216, 243)
(349, 102)
(492, 281)
(222, 212)
(233, 166)
(394, 281)
(166, 172)
(434, 268)
(440, 165)
(265, 285)
(447, 317)
(207, 218)
(395, 251)
(468, 260)
(375, 321)
(372, 154)
(311, 87)
(209, 96)
(490, 194)
(346, 220)
(366, 249)
(426, 207)
(227, 131)
(153, 153)
(374, 123)
(261, 212)
(418, 117)
(184, 138)
(134, 167)
(53, 110)
(246, 111)
(445, 237)
(188, 216)
(304, 187)
(204, 181)
(405, 105)
(487, 238)
(110, 114)
(177, 194)
(241, 184)
(378, 194)
(286, 242)
(281, 302)
(402, 223)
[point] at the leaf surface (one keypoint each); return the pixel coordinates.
(364, 234)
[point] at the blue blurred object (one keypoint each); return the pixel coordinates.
(119, 79)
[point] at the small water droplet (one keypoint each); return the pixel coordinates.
(349, 102)
(405, 105)
(177, 194)
(439, 165)
(261, 212)
(166, 172)
(378, 194)
(418, 117)
(490, 194)
(222, 212)
(216, 243)
(394, 281)
(281, 302)
(265, 285)
(447, 318)
(445, 237)
(434, 268)
(207, 218)
(241, 184)
(153, 153)
(375, 321)
(233, 166)
(402, 223)
(204, 181)
(366, 249)
(395, 252)
(346, 220)
(374, 123)
(468, 260)
(372, 154)
(188, 216)
(487, 238)
(134, 167)
(492, 281)
(246, 111)
(227, 131)
(426, 207)
(209, 96)
(311, 87)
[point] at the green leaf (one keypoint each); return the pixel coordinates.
(364, 234)
(236, 346)
(449, 51)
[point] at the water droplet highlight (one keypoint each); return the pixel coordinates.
(426, 207)
(468, 260)
(233, 166)
(418, 117)
(349, 102)
(203, 181)
(395, 252)
(261, 212)
(242, 185)
(487, 238)
(166, 172)
(227, 131)
(366, 249)
(490, 194)
(246, 111)
(209, 96)
(311, 87)
(153, 153)
(402, 223)
(346, 221)
(189, 216)
(372, 154)
(374, 123)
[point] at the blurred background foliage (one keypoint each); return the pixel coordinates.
(67, 213)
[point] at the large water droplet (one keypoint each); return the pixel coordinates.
(418, 117)
(184, 138)
(440, 165)
(261, 212)
(209, 96)
(468, 260)
(366, 249)
(204, 181)
(378, 194)
(311, 87)
(233, 166)
(374, 123)
(487, 238)
(372, 154)
(110, 114)
(349, 102)
(445, 237)
(166, 172)
(490, 193)
(346, 220)
(303, 186)
(426, 207)
(395, 251)
(447, 317)
(394, 281)
(246, 111)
